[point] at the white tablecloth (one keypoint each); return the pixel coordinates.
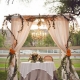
(27, 67)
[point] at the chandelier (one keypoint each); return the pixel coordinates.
(38, 34)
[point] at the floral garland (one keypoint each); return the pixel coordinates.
(50, 25)
(11, 56)
(35, 57)
(63, 66)
(69, 74)
(12, 51)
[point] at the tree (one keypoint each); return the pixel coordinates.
(77, 38)
(48, 41)
(1, 40)
(71, 6)
(29, 41)
(65, 6)
(23, 1)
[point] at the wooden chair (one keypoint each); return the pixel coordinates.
(48, 58)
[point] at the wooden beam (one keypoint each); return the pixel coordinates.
(38, 16)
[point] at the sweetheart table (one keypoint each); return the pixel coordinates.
(37, 71)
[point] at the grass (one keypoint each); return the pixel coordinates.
(3, 74)
(3, 65)
(75, 62)
(78, 73)
(76, 65)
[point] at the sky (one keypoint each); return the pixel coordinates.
(33, 8)
(36, 7)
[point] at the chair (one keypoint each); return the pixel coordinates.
(48, 58)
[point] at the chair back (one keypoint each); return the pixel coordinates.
(48, 58)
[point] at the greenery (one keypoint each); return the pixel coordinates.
(47, 41)
(78, 73)
(35, 57)
(75, 62)
(70, 6)
(75, 40)
(76, 65)
(3, 74)
(64, 6)
(1, 40)
(29, 41)
(25, 2)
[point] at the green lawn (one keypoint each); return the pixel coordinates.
(78, 73)
(3, 65)
(75, 62)
(3, 75)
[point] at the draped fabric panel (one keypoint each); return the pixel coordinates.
(60, 33)
(20, 36)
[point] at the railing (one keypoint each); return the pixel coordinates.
(53, 51)
(75, 55)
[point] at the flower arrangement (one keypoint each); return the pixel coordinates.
(35, 57)
(68, 53)
(12, 51)
(66, 66)
(11, 55)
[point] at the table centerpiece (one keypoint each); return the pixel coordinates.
(34, 57)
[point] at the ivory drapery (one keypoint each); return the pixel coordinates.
(21, 36)
(61, 32)
(60, 36)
